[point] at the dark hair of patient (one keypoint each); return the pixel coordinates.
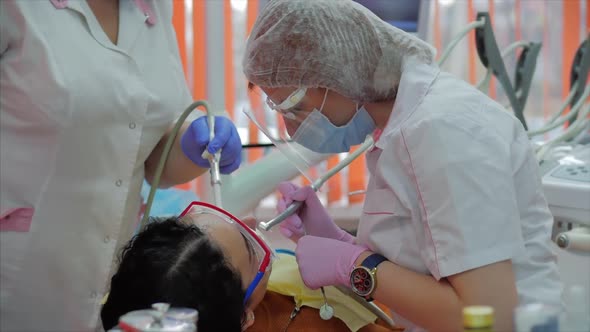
(174, 262)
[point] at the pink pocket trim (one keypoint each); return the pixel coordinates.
(17, 220)
(59, 4)
(150, 17)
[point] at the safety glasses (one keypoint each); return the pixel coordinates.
(285, 107)
(204, 214)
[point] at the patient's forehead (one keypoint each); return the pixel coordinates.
(234, 248)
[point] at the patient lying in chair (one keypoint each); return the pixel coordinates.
(219, 269)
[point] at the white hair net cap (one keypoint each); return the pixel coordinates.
(334, 44)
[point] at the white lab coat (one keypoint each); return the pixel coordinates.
(455, 185)
(79, 118)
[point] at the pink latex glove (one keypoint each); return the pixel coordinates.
(311, 219)
(326, 262)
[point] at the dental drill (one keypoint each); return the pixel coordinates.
(317, 184)
(214, 162)
(166, 153)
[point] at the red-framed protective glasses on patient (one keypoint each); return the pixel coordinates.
(203, 214)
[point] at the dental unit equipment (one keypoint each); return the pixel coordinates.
(578, 91)
(492, 59)
(579, 127)
(471, 26)
(566, 184)
(317, 184)
(565, 176)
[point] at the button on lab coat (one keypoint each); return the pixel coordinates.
(455, 186)
(79, 118)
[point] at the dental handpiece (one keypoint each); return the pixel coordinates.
(214, 163)
(317, 184)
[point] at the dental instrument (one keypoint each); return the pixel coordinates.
(214, 162)
(164, 157)
(317, 184)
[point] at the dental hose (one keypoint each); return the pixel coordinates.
(164, 157)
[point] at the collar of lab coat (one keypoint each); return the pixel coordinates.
(150, 18)
(129, 28)
(417, 77)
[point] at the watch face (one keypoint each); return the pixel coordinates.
(361, 281)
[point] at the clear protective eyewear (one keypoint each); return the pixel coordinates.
(273, 121)
(286, 107)
(203, 214)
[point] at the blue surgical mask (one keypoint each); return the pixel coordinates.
(318, 134)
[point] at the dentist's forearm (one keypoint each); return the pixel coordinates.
(438, 305)
(431, 304)
(179, 169)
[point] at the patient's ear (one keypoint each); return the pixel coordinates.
(249, 321)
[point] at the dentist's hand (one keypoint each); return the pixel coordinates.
(311, 219)
(326, 262)
(195, 139)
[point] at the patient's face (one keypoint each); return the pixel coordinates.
(239, 253)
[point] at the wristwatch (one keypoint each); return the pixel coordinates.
(363, 278)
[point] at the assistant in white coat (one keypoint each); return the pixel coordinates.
(81, 115)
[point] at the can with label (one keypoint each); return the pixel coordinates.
(184, 314)
(160, 319)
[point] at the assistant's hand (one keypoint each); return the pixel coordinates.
(195, 139)
(326, 262)
(311, 219)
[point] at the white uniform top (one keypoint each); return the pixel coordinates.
(455, 186)
(79, 118)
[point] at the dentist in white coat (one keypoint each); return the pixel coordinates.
(454, 213)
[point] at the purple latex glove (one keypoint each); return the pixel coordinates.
(326, 262)
(311, 219)
(195, 140)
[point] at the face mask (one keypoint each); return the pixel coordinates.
(318, 134)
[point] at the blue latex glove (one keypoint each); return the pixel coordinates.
(195, 139)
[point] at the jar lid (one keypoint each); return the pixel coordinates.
(478, 316)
